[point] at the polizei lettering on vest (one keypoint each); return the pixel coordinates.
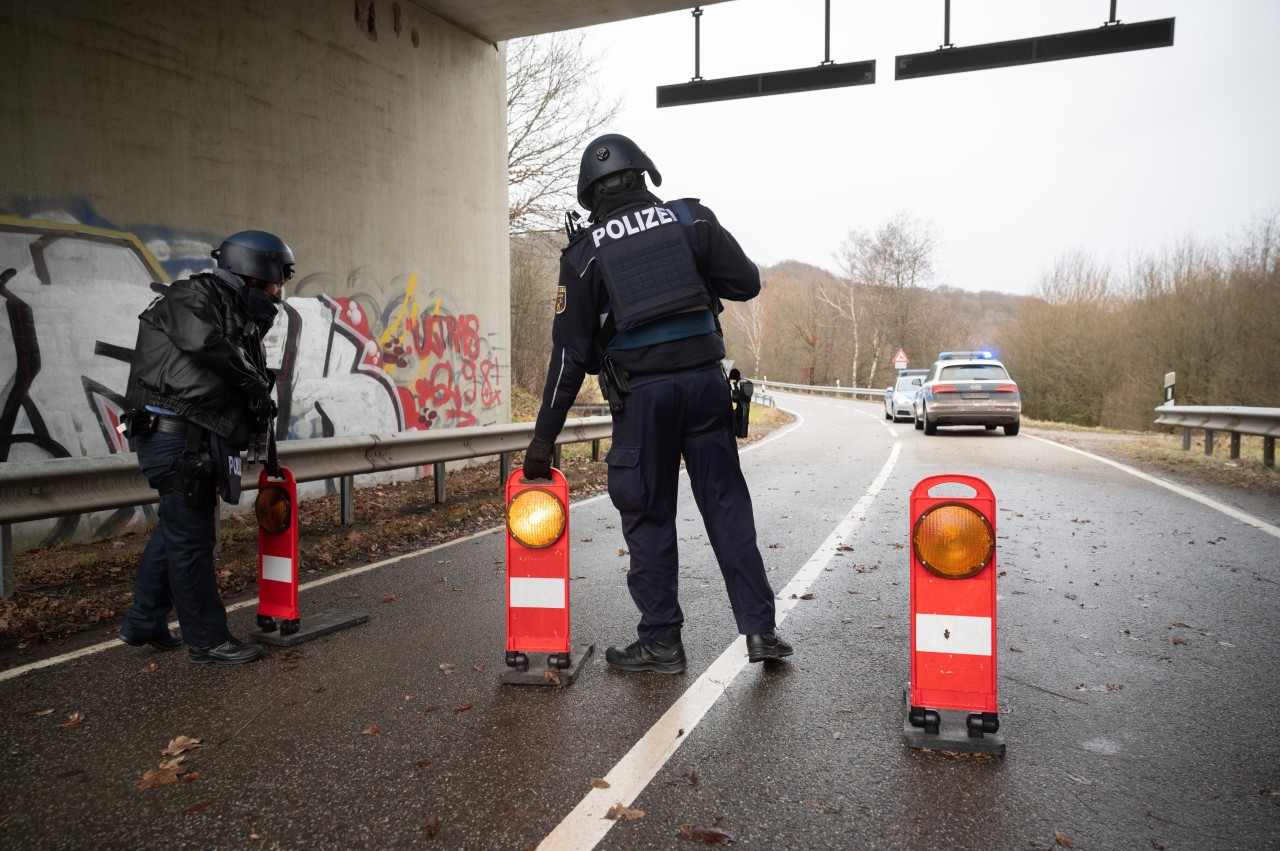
(632, 223)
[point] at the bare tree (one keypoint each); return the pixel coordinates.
(552, 111)
(748, 320)
(884, 272)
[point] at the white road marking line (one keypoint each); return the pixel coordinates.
(586, 825)
(1235, 514)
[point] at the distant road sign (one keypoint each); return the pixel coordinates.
(900, 360)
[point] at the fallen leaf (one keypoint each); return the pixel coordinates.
(462, 707)
(431, 827)
(408, 697)
(390, 598)
(1183, 641)
(620, 811)
(75, 719)
(197, 808)
(807, 596)
(422, 763)
(478, 668)
(445, 668)
(154, 666)
(1183, 625)
(1062, 839)
(157, 777)
(189, 776)
(353, 596)
(601, 783)
(371, 730)
(550, 675)
(709, 835)
(181, 745)
(622, 552)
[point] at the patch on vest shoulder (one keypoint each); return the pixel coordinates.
(562, 296)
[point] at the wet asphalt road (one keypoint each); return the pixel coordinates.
(1137, 652)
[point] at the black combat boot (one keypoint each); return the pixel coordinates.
(664, 657)
(768, 645)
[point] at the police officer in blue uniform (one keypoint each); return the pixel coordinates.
(637, 303)
(199, 387)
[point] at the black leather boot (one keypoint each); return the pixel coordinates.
(664, 657)
(768, 645)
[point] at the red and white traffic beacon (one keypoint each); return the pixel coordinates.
(276, 510)
(279, 619)
(953, 617)
(538, 581)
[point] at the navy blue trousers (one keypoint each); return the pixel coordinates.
(667, 417)
(176, 571)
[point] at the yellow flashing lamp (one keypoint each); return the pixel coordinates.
(953, 540)
(272, 510)
(535, 518)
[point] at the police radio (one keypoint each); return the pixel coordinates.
(740, 391)
(571, 229)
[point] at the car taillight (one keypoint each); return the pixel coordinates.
(943, 388)
(1006, 388)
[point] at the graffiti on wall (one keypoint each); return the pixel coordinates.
(352, 355)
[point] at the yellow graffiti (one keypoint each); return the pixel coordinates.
(13, 223)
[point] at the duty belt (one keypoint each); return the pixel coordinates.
(175, 426)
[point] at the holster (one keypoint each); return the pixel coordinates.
(740, 405)
(613, 385)
(192, 475)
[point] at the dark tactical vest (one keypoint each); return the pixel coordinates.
(648, 266)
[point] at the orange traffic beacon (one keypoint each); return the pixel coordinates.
(538, 580)
(276, 510)
(279, 618)
(953, 616)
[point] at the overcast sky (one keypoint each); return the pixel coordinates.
(1112, 155)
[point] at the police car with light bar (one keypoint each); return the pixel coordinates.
(968, 388)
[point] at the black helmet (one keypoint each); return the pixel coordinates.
(609, 154)
(256, 254)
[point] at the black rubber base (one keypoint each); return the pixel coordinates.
(540, 674)
(952, 735)
(310, 626)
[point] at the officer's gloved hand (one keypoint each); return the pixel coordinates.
(537, 460)
(264, 408)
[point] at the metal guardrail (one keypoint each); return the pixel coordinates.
(1235, 421)
(58, 487)
(815, 390)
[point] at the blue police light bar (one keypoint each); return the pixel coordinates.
(1116, 38)
(829, 76)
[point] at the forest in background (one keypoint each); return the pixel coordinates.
(1090, 345)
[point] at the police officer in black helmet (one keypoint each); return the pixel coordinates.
(199, 387)
(658, 271)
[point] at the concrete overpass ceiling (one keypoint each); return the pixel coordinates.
(502, 20)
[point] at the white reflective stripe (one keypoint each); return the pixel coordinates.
(953, 634)
(529, 593)
(277, 568)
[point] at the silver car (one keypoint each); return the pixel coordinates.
(968, 388)
(899, 400)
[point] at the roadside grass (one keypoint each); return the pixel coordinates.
(1163, 452)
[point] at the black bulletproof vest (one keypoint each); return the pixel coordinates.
(648, 266)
